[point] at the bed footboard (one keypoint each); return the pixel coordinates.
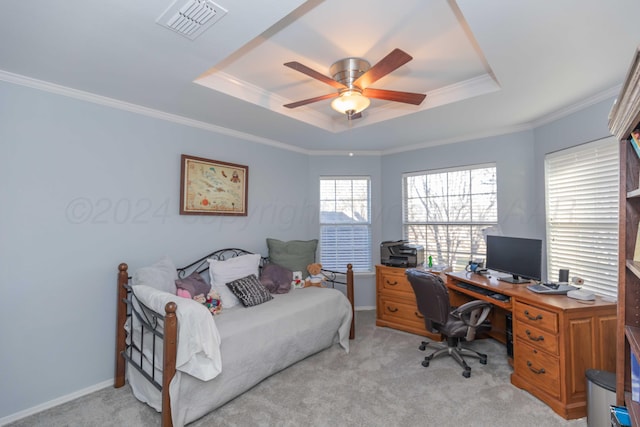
(150, 321)
(335, 277)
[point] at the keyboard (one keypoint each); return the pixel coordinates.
(483, 291)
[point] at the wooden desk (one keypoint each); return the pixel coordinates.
(555, 339)
(396, 303)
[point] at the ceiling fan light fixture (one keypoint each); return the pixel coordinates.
(350, 102)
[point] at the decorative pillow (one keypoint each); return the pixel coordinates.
(223, 272)
(293, 255)
(183, 294)
(249, 291)
(161, 276)
(276, 278)
(211, 301)
(194, 284)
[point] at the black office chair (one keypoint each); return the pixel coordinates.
(457, 325)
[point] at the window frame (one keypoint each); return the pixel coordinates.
(480, 226)
(364, 262)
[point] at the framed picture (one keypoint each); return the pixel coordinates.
(211, 187)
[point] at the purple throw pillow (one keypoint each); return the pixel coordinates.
(276, 279)
(194, 284)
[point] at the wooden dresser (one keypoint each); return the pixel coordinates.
(396, 303)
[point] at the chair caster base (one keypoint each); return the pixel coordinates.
(466, 373)
(425, 363)
(483, 359)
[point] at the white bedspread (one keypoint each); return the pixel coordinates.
(256, 342)
(199, 351)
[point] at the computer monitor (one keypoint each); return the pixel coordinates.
(520, 257)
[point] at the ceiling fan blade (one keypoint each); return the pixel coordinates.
(392, 95)
(389, 63)
(314, 74)
(311, 100)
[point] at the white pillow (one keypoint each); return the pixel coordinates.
(223, 272)
(161, 276)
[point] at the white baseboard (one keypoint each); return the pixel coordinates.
(364, 308)
(55, 402)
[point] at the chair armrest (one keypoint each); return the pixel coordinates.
(473, 314)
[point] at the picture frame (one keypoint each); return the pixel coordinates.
(212, 187)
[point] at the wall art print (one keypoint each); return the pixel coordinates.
(212, 187)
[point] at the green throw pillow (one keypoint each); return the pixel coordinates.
(293, 255)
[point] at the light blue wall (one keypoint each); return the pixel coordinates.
(85, 187)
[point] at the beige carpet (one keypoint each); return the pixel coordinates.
(379, 383)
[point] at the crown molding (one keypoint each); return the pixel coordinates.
(138, 109)
(174, 118)
(345, 153)
(556, 115)
(462, 138)
(574, 108)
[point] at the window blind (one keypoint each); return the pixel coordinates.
(582, 214)
(345, 223)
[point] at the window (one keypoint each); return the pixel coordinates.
(345, 223)
(582, 214)
(446, 211)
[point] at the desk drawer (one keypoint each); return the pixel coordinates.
(537, 337)
(538, 368)
(396, 282)
(536, 316)
(400, 312)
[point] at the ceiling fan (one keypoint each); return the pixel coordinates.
(352, 77)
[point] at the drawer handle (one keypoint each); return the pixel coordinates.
(535, 371)
(540, 338)
(538, 317)
(392, 309)
(418, 315)
(392, 284)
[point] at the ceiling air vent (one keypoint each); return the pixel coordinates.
(192, 18)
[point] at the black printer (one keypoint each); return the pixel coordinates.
(401, 254)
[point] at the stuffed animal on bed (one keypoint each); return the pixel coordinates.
(298, 281)
(316, 278)
(211, 301)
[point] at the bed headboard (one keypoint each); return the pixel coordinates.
(202, 265)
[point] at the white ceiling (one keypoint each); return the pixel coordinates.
(487, 67)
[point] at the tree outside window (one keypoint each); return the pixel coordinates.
(446, 211)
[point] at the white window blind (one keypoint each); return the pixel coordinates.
(345, 223)
(582, 214)
(446, 211)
